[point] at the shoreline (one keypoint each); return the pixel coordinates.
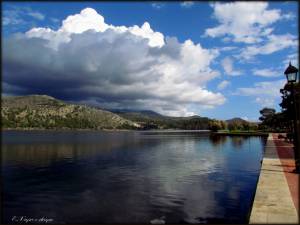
(242, 133)
(219, 133)
(60, 129)
(89, 129)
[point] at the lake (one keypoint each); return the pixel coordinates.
(128, 177)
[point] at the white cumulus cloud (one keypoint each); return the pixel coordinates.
(88, 60)
(266, 72)
(245, 22)
(265, 93)
(273, 44)
(89, 19)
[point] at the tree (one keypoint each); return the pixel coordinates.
(246, 126)
(232, 126)
(215, 125)
(267, 118)
(288, 107)
(266, 113)
(237, 125)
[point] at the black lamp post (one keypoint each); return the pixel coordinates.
(291, 75)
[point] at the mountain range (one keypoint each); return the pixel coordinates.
(42, 111)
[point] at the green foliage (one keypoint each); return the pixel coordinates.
(126, 126)
(154, 121)
(272, 121)
(49, 113)
(290, 106)
(241, 125)
(232, 126)
(215, 125)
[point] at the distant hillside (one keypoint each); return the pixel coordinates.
(240, 124)
(151, 120)
(42, 111)
(236, 120)
(45, 112)
(137, 115)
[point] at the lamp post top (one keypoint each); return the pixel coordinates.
(290, 69)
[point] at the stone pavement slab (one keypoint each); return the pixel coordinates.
(286, 154)
(273, 202)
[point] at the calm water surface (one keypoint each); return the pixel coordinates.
(128, 177)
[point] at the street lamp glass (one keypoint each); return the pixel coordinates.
(291, 77)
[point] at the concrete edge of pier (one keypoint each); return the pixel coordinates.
(277, 194)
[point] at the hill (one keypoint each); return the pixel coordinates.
(240, 124)
(152, 120)
(42, 111)
(236, 120)
(137, 115)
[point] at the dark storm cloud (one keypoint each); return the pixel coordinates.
(111, 67)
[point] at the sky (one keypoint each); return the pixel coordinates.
(214, 59)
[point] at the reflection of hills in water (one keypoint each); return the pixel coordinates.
(177, 132)
(217, 139)
(43, 153)
(49, 148)
(236, 141)
(239, 142)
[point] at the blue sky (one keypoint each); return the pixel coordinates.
(220, 60)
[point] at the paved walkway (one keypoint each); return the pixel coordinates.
(277, 194)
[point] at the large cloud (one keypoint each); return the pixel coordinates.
(87, 60)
